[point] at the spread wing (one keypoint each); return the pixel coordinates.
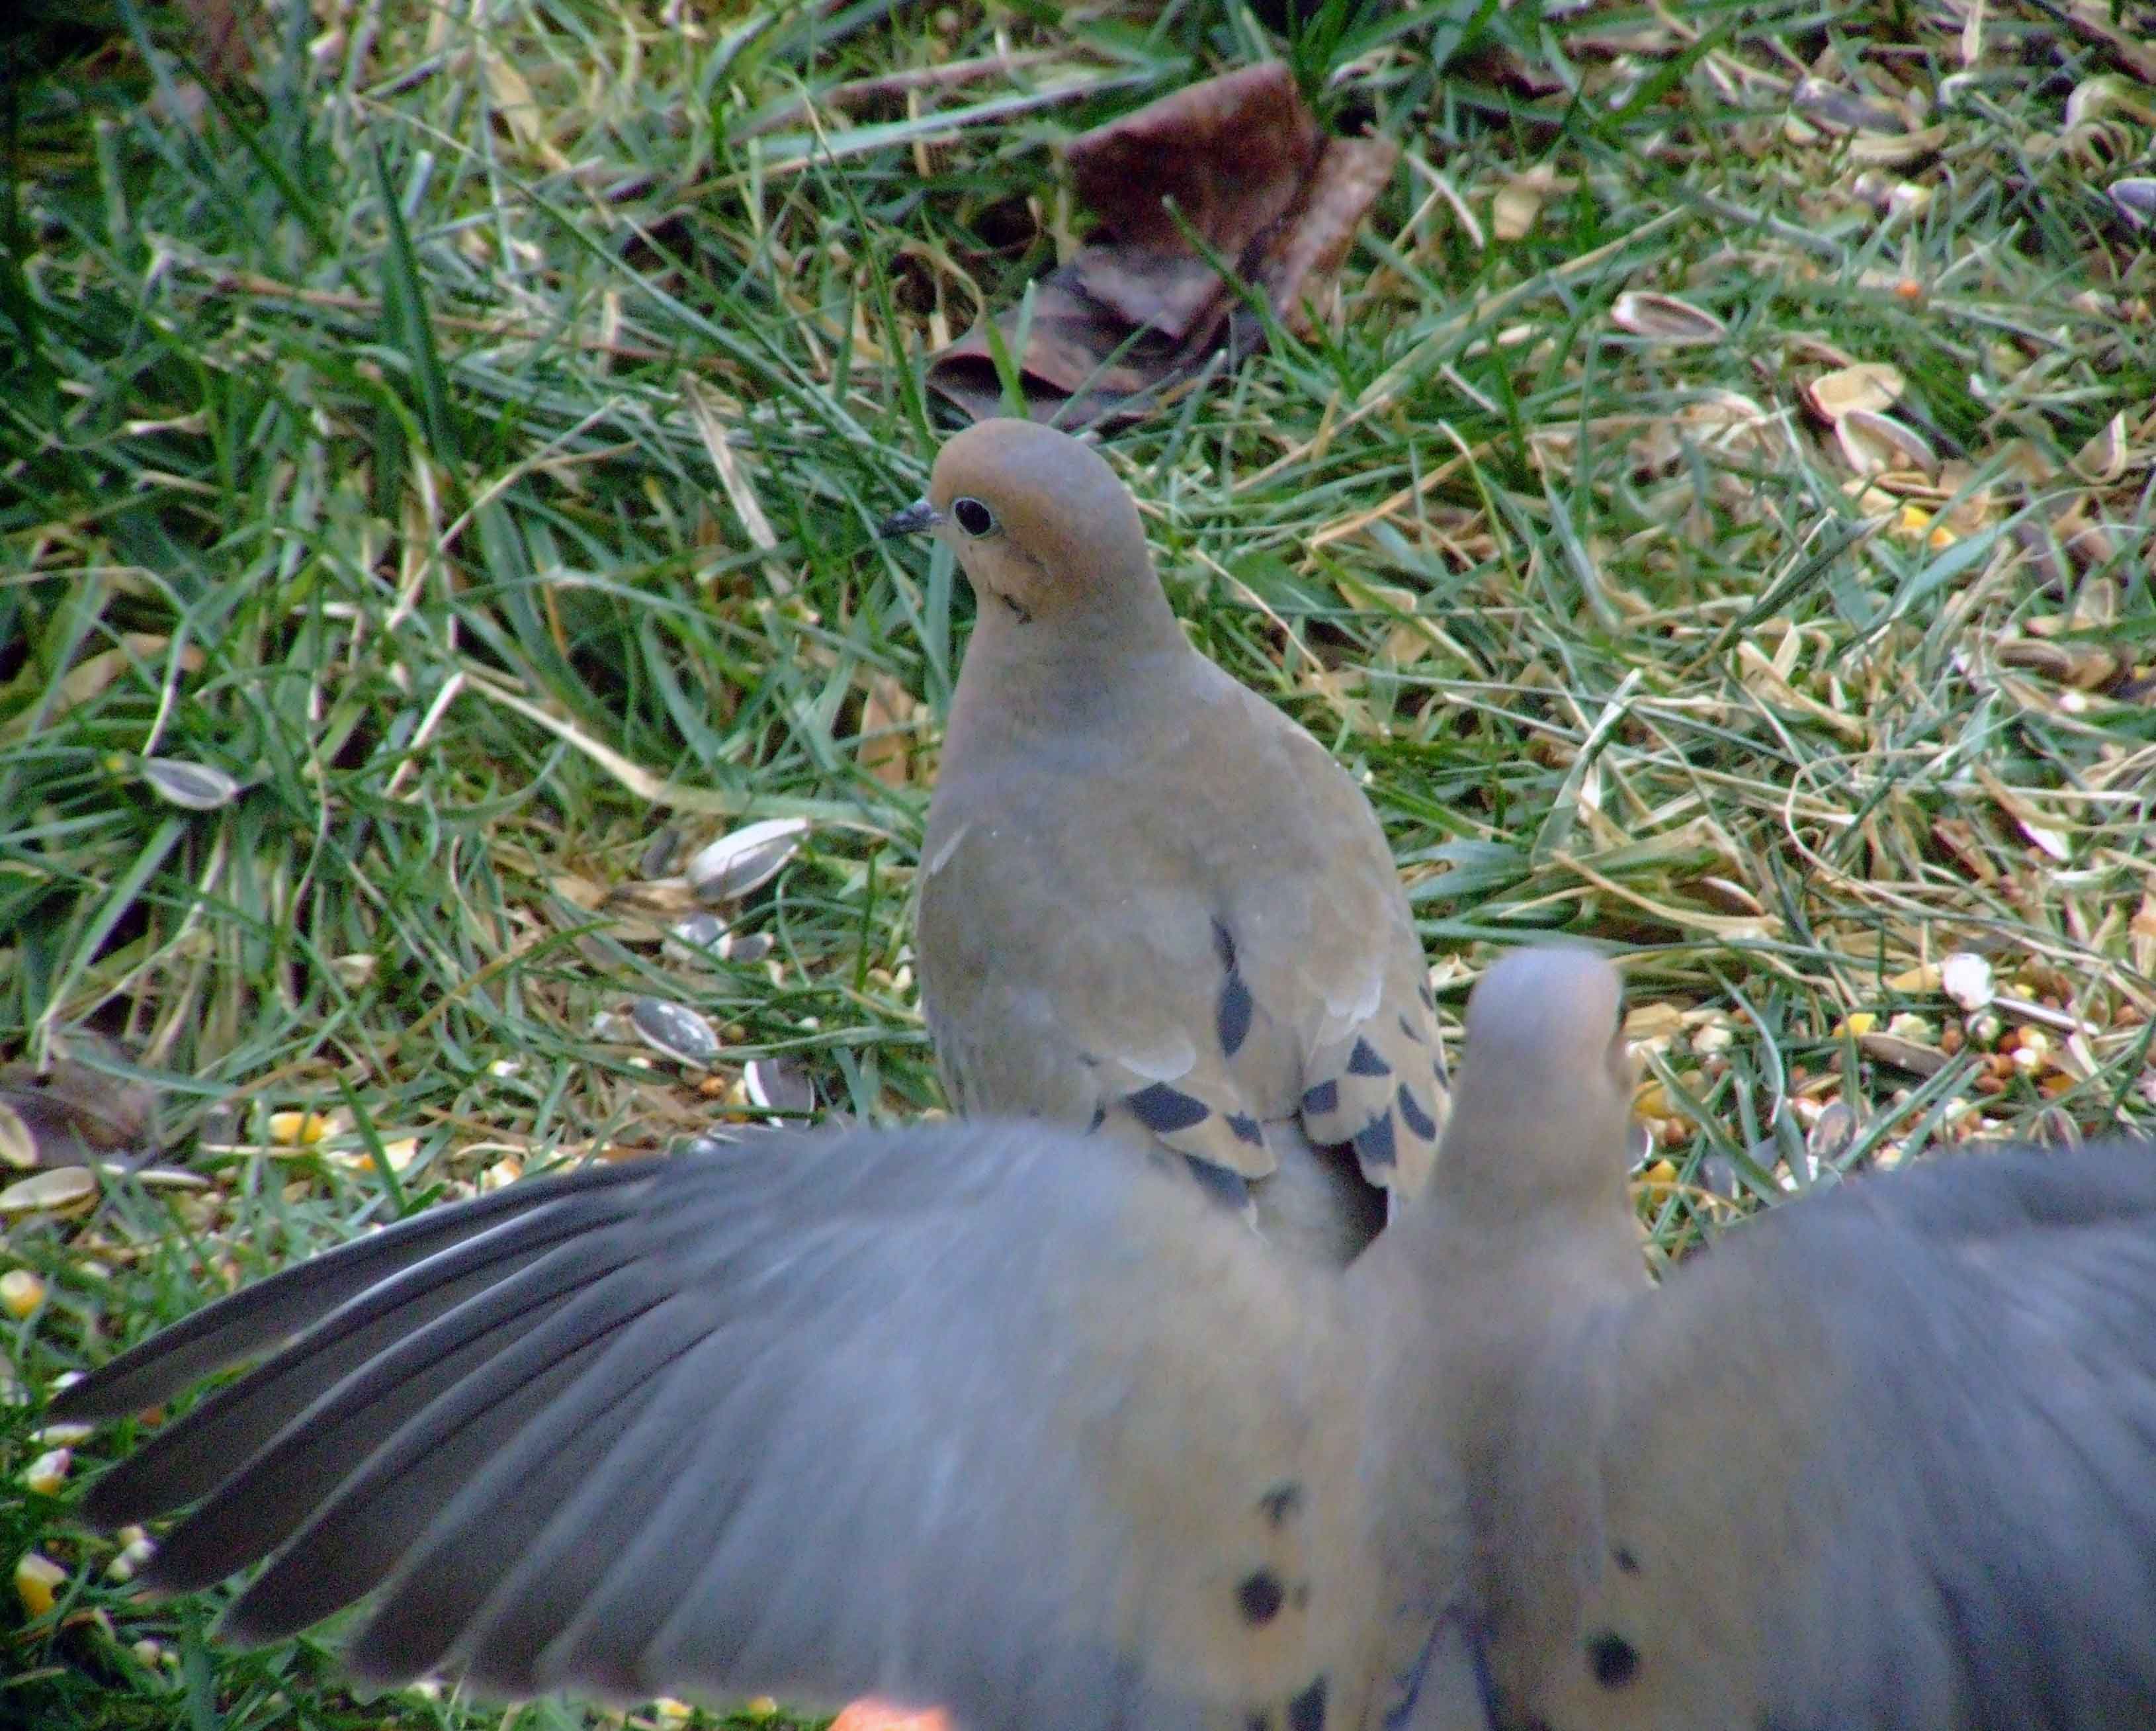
(1887, 1458)
(958, 1416)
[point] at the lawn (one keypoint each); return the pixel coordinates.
(440, 455)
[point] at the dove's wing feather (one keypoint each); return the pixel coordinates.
(959, 1415)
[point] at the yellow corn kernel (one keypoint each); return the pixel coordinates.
(47, 1473)
(298, 1129)
(37, 1580)
(21, 1292)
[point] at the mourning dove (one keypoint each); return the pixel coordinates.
(1150, 903)
(1882, 1458)
(953, 1416)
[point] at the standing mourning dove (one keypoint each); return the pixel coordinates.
(1149, 901)
(951, 1415)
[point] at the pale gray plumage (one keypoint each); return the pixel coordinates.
(1885, 1458)
(1150, 903)
(814, 1417)
(975, 1415)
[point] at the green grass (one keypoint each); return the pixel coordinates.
(346, 447)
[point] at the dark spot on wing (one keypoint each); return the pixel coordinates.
(1321, 1099)
(1281, 1502)
(1364, 1061)
(1099, 1117)
(1412, 1032)
(1420, 1124)
(1625, 1561)
(1257, 1722)
(1234, 1016)
(1245, 1128)
(1024, 614)
(1164, 1110)
(1300, 1598)
(1429, 997)
(1222, 1185)
(1373, 1142)
(1613, 1660)
(1259, 1597)
(1307, 1711)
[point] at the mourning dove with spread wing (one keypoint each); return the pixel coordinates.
(1150, 903)
(1882, 1460)
(953, 1416)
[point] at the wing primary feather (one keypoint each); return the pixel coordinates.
(269, 1311)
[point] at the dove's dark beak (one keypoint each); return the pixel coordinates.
(917, 519)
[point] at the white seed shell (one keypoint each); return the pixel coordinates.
(1876, 443)
(749, 858)
(696, 941)
(19, 1148)
(1667, 319)
(1869, 384)
(674, 1030)
(64, 1190)
(197, 787)
(1966, 977)
(778, 1085)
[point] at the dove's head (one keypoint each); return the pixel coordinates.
(1542, 1111)
(1041, 527)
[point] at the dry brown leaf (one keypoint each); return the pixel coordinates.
(888, 712)
(91, 675)
(2096, 98)
(708, 411)
(1242, 163)
(1409, 641)
(76, 1111)
(2027, 818)
(521, 110)
(2082, 665)
(2105, 456)
(1519, 202)
(1497, 63)
(1766, 681)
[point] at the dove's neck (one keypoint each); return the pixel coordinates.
(1516, 1300)
(1104, 670)
(1504, 1255)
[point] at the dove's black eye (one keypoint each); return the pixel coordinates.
(972, 516)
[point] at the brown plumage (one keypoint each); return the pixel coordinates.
(1150, 903)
